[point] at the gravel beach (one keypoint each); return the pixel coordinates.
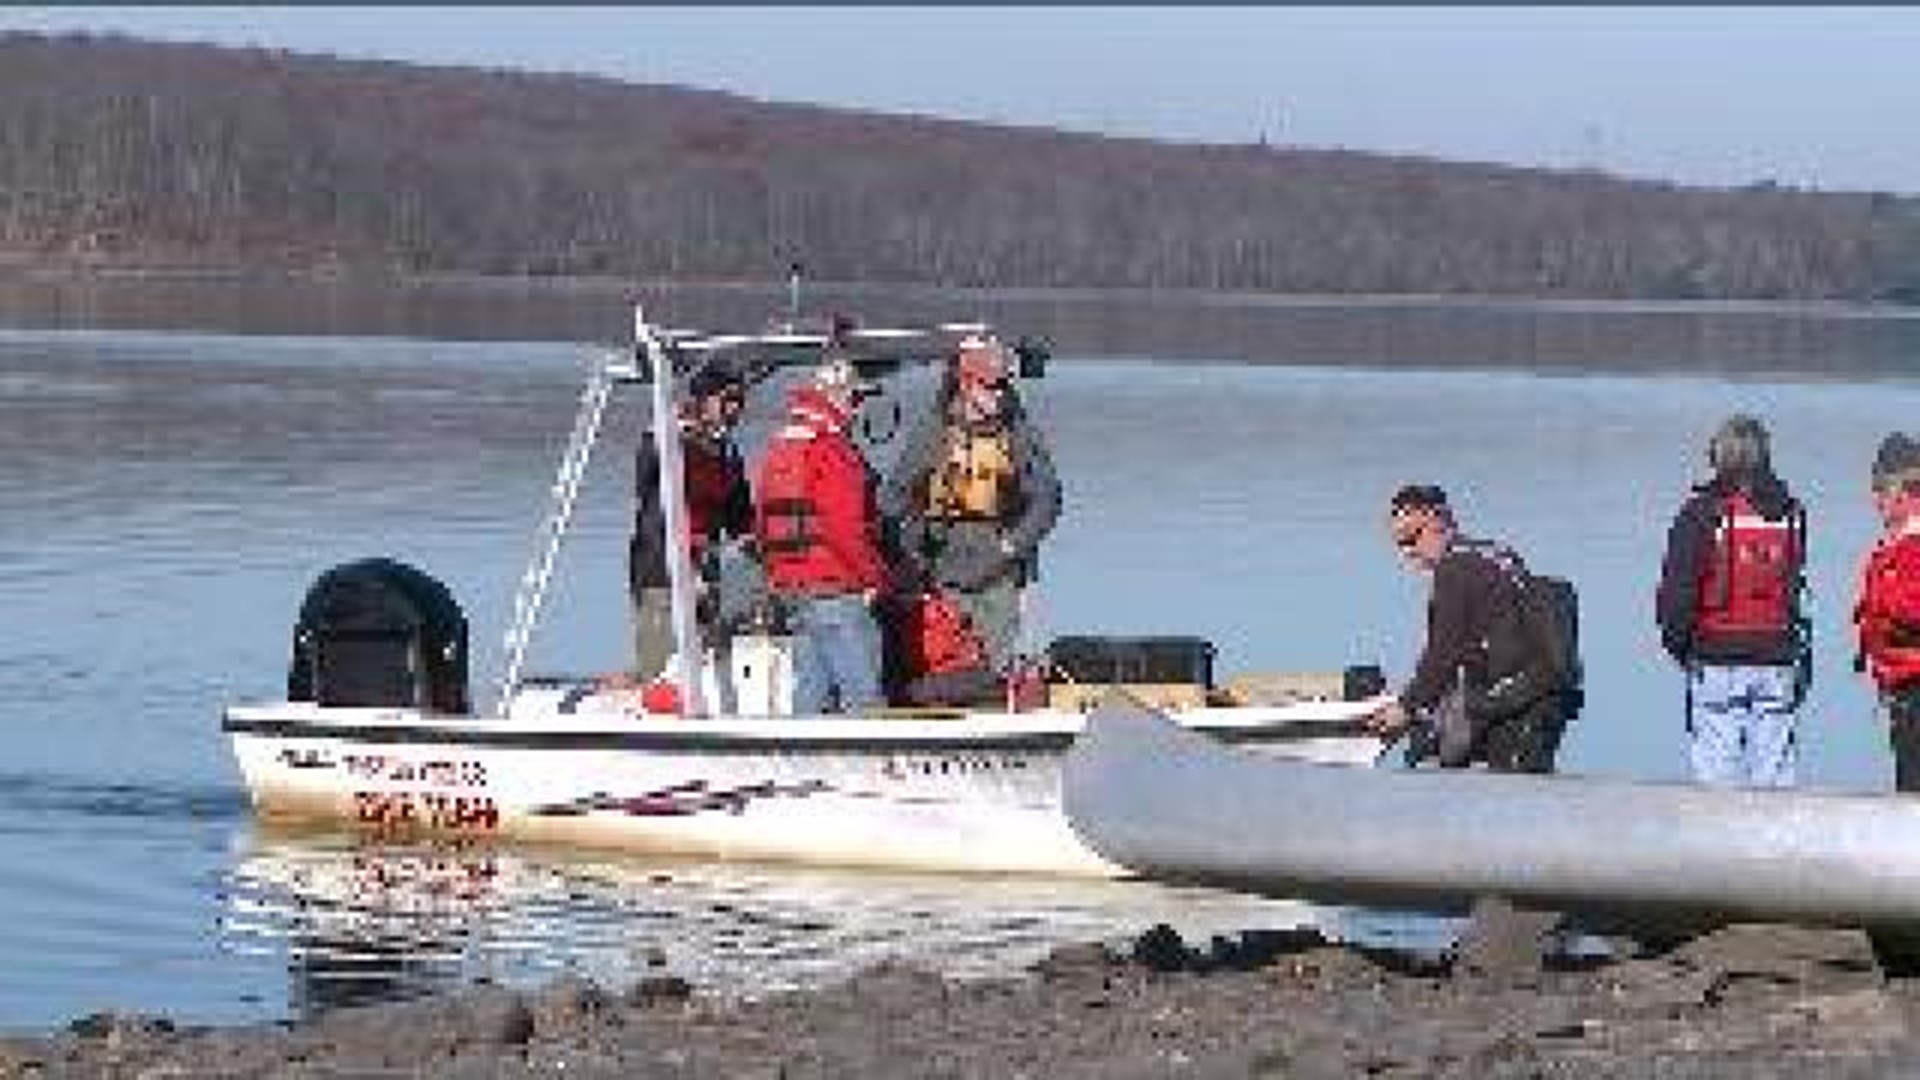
(1746, 1001)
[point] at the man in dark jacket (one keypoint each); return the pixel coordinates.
(974, 492)
(719, 505)
(1729, 612)
(1477, 638)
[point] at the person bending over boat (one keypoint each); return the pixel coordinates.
(719, 505)
(1474, 695)
(1886, 615)
(1729, 608)
(817, 523)
(974, 493)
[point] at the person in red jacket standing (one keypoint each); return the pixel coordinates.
(818, 526)
(1730, 605)
(1887, 615)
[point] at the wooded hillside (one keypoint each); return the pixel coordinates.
(155, 154)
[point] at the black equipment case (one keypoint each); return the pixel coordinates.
(1132, 660)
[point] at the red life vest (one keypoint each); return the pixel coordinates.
(1751, 574)
(1888, 614)
(784, 509)
(710, 476)
(813, 510)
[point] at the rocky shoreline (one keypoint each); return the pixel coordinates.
(1747, 1001)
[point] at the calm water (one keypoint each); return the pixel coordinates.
(166, 498)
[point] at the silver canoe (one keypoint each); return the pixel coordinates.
(1168, 804)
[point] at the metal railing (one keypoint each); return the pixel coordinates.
(532, 593)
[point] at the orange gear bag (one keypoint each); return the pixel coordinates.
(939, 639)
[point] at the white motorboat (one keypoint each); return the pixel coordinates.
(726, 774)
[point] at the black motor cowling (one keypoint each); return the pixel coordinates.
(380, 633)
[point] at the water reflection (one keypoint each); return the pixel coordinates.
(361, 922)
(1468, 332)
(166, 500)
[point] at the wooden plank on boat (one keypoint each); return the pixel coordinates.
(1082, 697)
(1284, 687)
(1166, 803)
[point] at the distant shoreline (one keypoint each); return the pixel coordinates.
(1729, 339)
(17, 269)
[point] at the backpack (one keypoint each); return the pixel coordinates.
(1549, 610)
(1552, 607)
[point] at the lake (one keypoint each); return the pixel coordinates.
(167, 495)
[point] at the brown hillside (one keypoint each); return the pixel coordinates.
(151, 153)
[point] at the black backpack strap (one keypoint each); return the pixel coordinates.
(1802, 625)
(1800, 529)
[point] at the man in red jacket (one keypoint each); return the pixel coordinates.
(817, 523)
(1887, 616)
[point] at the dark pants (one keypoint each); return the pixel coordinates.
(1523, 743)
(1903, 732)
(1526, 743)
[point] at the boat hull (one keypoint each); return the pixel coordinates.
(972, 793)
(1149, 796)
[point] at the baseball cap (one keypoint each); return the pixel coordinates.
(836, 373)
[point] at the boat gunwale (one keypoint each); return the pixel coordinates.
(602, 731)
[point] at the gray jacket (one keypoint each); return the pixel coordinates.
(968, 555)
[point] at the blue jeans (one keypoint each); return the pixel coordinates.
(836, 655)
(1742, 725)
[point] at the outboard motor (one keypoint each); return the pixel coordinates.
(379, 632)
